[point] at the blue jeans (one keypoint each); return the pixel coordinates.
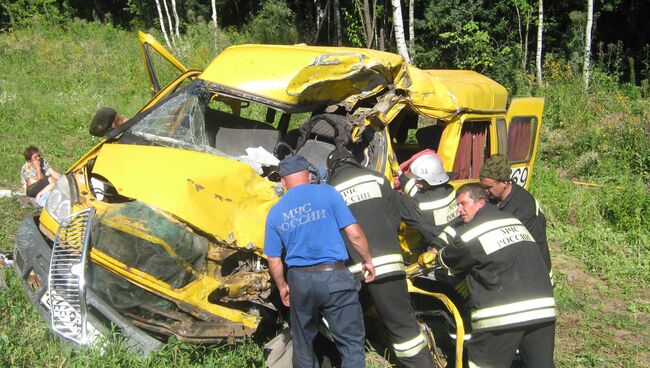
(334, 296)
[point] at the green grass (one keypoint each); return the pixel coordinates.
(55, 79)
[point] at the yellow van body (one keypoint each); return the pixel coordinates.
(225, 200)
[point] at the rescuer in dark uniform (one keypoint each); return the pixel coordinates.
(515, 200)
(511, 296)
(376, 206)
(427, 183)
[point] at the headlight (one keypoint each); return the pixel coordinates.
(59, 203)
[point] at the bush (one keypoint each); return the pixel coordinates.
(275, 23)
(626, 206)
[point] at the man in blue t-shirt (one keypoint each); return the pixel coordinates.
(305, 225)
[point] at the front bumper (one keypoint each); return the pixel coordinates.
(32, 258)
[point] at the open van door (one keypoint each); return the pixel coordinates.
(524, 119)
(152, 52)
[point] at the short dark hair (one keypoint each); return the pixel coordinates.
(475, 190)
(29, 151)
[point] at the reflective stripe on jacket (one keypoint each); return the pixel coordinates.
(378, 210)
(505, 273)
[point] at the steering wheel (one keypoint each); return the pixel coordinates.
(315, 172)
(279, 146)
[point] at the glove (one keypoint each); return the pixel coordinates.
(461, 288)
(427, 259)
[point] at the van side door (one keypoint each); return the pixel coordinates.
(524, 120)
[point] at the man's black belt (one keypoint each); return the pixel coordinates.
(322, 267)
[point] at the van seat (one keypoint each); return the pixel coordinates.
(233, 134)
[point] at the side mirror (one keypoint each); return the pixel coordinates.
(102, 121)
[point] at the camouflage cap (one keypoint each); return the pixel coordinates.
(497, 167)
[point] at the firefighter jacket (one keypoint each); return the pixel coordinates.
(526, 209)
(378, 210)
(506, 278)
(437, 205)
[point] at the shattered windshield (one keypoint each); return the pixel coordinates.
(178, 122)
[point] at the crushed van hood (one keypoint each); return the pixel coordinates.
(220, 196)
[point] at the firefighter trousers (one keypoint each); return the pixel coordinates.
(391, 298)
(495, 349)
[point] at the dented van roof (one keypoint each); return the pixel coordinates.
(298, 78)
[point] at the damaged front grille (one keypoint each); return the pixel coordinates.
(66, 278)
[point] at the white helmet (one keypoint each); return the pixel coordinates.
(429, 168)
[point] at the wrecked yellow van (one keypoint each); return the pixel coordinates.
(158, 230)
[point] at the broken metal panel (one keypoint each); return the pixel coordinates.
(336, 76)
(247, 285)
(290, 76)
(146, 239)
(147, 260)
(193, 298)
(217, 195)
(441, 93)
(186, 328)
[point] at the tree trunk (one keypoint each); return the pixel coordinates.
(525, 61)
(214, 13)
(321, 15)
(368, 24)
(399, 30)
(162, 24)
(178, 34)
(412, 27)
(590, 20)
(540, 29)
(336, 14)
(169, 21)
(382, 36)
(214, 22)
(382, 27)
(374, 22)
(521, 38)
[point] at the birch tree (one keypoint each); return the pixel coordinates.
(214, 22)
(590, 19)
(169, 21)
(399, 30)
(214, 13)
(178, 34)
(524, 11)
(540, 28)
(411, 26)
(321, 15)
(162, 24)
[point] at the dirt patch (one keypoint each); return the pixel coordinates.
(607, 324)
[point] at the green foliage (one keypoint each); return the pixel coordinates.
(274, 24)
(53, 82)
(473, 45)
(626, 206)
(465, 35)
(353, 27)
(599, 135)
(21, 13)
